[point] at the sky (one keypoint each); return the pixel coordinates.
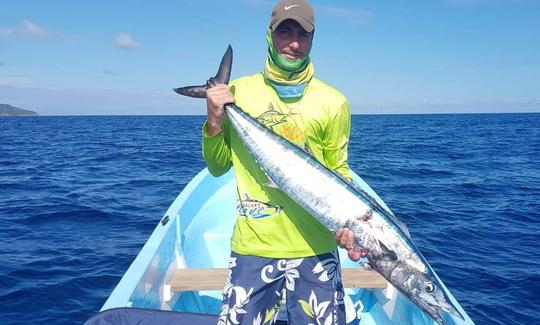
(116, 57)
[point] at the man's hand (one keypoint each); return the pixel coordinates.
(345, 239)
(216, 98)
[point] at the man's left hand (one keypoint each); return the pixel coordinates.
(345, 239)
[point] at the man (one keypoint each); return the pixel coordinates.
(278, 250)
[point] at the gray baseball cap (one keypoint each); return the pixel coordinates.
(297, 10)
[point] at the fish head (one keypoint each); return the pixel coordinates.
(428, 293)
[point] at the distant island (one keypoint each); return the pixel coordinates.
(8, 110)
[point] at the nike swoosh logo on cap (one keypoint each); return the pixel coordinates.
(291, 6)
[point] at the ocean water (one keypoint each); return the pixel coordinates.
(79, 196)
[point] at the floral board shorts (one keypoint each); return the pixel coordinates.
(310, 288)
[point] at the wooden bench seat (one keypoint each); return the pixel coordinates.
(214, 279)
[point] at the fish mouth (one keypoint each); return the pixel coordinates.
(438, 305)
(443, 301)
(452, 310)
(447, 307)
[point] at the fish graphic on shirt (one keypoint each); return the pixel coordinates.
(253, 208)
(273, 117)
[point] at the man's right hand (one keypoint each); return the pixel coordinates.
(216, 98)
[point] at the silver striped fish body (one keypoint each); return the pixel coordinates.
(331, 199)
(296, 173)
(337, 203)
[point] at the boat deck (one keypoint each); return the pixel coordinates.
(214, 279)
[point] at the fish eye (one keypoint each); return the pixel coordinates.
(429, 287)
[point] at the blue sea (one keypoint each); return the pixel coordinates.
(79, 197)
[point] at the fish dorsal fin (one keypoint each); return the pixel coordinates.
(387, 254)
(401, 225)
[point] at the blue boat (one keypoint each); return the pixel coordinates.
(178, 275)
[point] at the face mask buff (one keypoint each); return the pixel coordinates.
(289, 66)
(288, 77)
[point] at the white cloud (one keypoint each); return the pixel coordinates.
(26, 29)
(16, 81)
(258, 2)
(430, 102)
(110, 72)
(486, 2)
(438, 105)
(32, 29)
(50, 101)
(354, 16)
(350, 15)
(487, 63)
(126, 42)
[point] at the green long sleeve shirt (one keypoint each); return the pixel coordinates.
(269, 223)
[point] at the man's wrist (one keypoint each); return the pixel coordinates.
(213, 128)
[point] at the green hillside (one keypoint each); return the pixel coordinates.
(8, 110)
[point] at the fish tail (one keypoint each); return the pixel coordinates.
(192, 91)
(222, 77)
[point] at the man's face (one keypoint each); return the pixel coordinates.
(291, 40)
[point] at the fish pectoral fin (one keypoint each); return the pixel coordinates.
(405, 229)
(387, 254)
(401, 225)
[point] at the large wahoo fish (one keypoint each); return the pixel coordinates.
(337, 203)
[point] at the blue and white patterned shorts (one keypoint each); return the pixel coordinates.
(309, 287)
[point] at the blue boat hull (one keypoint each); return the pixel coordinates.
(195, 232)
